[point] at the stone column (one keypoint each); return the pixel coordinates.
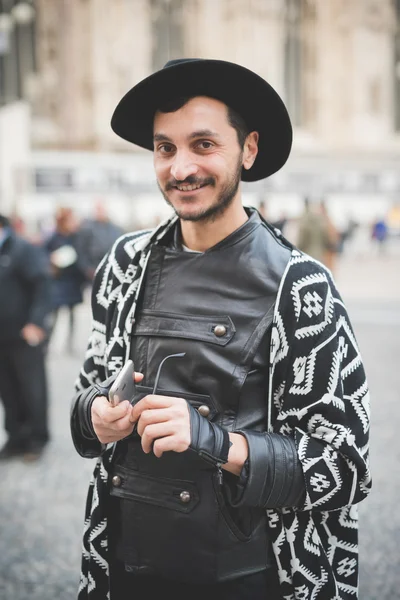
(250, 33)
(354, 66)
(121, 55)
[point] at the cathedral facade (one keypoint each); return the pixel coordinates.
(335, 63)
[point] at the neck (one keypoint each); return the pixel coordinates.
(200, 236)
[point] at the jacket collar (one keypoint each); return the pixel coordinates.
(252, 222)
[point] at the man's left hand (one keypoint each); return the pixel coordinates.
(163, 423)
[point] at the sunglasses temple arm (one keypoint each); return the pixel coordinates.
(181, 354)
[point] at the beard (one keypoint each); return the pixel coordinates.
(220, 204)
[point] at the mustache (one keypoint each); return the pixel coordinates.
(191, 180)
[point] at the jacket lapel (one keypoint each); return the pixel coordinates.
(132, 269)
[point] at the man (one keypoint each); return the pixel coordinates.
(25, 304)
(312, 235)
(235, 471)
(94, 238)
(67, 280)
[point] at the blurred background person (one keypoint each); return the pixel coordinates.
(94, 239)
(24, 309)
(67, 281)
(332, 238)
(18, 225)
(317, 235)
(380, 234)
(311, 234)
(346, 234)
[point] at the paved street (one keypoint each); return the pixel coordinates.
(42, 505)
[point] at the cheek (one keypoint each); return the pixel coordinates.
(214, 165)
(223, 164)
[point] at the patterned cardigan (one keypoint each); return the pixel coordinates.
(319, 396)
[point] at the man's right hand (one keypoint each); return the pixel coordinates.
(111, 423)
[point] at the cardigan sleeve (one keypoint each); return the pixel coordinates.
(320, 389)
(93, 372)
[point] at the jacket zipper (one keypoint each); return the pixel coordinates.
(220, 476)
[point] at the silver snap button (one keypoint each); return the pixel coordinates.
(116, 481)
(219, 330)
(185, 497)
(204, 410)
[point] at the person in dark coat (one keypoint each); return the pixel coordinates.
(95, 238)
(67, 278)
(24, 309)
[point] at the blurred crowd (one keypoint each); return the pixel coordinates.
(315, 232)
(38, 277)
(74, 250)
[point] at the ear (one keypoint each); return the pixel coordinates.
(250, 150)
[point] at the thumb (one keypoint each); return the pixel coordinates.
(117, 412)
(100, 404)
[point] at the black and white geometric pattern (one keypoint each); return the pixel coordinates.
(320, 397)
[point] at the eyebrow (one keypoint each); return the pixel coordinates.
(203, 133)
(162, 137)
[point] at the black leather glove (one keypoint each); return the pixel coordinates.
(210, 441)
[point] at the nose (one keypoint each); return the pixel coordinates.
(183, 166)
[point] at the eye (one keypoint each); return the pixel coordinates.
(205, 145)
(165, 148)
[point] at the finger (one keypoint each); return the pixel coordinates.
(152, 415)
(122, 425)
(99, 404)
(152, 432)
(116, 430)
(119, 428)
(168, 444)
(154, 401)
(107, 437)
(110, 414)
(138, 377)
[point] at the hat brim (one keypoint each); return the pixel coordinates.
(243, 90)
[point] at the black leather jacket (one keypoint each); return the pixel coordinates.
(177, 516)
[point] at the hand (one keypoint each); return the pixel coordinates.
(90, 274)
(33, 334)
(112, 423)
(163, 423)
(55, 271)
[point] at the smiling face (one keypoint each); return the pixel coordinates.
(197, 159)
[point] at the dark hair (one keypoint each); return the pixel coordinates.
(235, 120)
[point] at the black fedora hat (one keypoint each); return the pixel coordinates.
(239, 88)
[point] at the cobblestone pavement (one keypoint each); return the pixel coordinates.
(42, 504)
